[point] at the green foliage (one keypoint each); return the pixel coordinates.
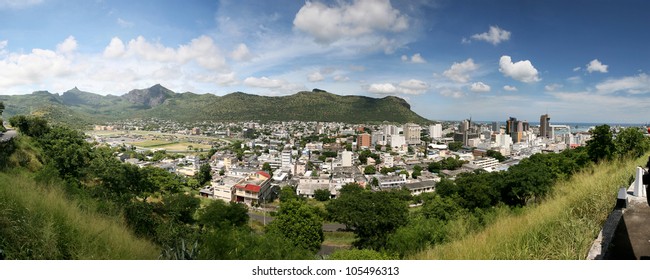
(371, 215)
(416, 236)
(181, 207)
(450, 163)
(601, 146)
(67, 150)
(205, 174)
(242, 244)
(322, 194)
(359, 254)
(30, 125)
(631, 142)
(300, 223)
(288, 193)
(365, 154)
(496, 155)
(219, 215)
(39, 221)
(370, 169)
(455, 146)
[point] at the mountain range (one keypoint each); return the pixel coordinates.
(80, 108)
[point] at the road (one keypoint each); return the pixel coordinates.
(326, 227)
(8, 135)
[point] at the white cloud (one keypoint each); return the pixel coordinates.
(115, 48)
(552, 87)
(117, 68)
(479, 87)
(417, 58)
(596, 66)
(450, 92)
(241, 53)
(460, 72)
(328, 24)
(509, 88)
(67, 46)
(123, 23)
(574, 79)
(639, 84)
(522, 71)
(264, 82)
(315, 77)
(411, 87)
(33, 68)
(18, 4)
(494, 36)
(341, 78)
(576, 69)
(277, 86)
(386, 88)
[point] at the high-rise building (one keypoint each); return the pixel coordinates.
(495, 127)
(363, 141)
(286, 160)
(545, 126)
(516, 128)
(435, 131)
(412, 133)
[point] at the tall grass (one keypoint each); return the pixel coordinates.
(562, 227)
(38, 222)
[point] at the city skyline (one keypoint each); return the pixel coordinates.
(583, 61)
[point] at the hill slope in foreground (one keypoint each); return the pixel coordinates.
(563, 227)
(40, 218)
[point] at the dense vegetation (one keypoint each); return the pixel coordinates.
(77, 108)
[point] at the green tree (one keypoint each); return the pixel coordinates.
(370, 169)
(455, 146)
(299, 223)
(288, 193)
(67, 150)
(496, 155)
(322, 194)
(219, 214)
(205, 174)
(601, 146)
(372, 215)
(631, 142)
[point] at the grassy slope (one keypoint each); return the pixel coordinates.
(563, 227)
(39, 222)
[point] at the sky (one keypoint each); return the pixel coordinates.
(578, 61)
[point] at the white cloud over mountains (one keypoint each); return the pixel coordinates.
(410, 87)
(522, 71)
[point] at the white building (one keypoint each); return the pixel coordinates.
(286, 160)
(435, 131)
(346, 159)
(397, 141)
(412, 133)
(487, 163)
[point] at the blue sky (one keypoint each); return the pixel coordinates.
(578, 61)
